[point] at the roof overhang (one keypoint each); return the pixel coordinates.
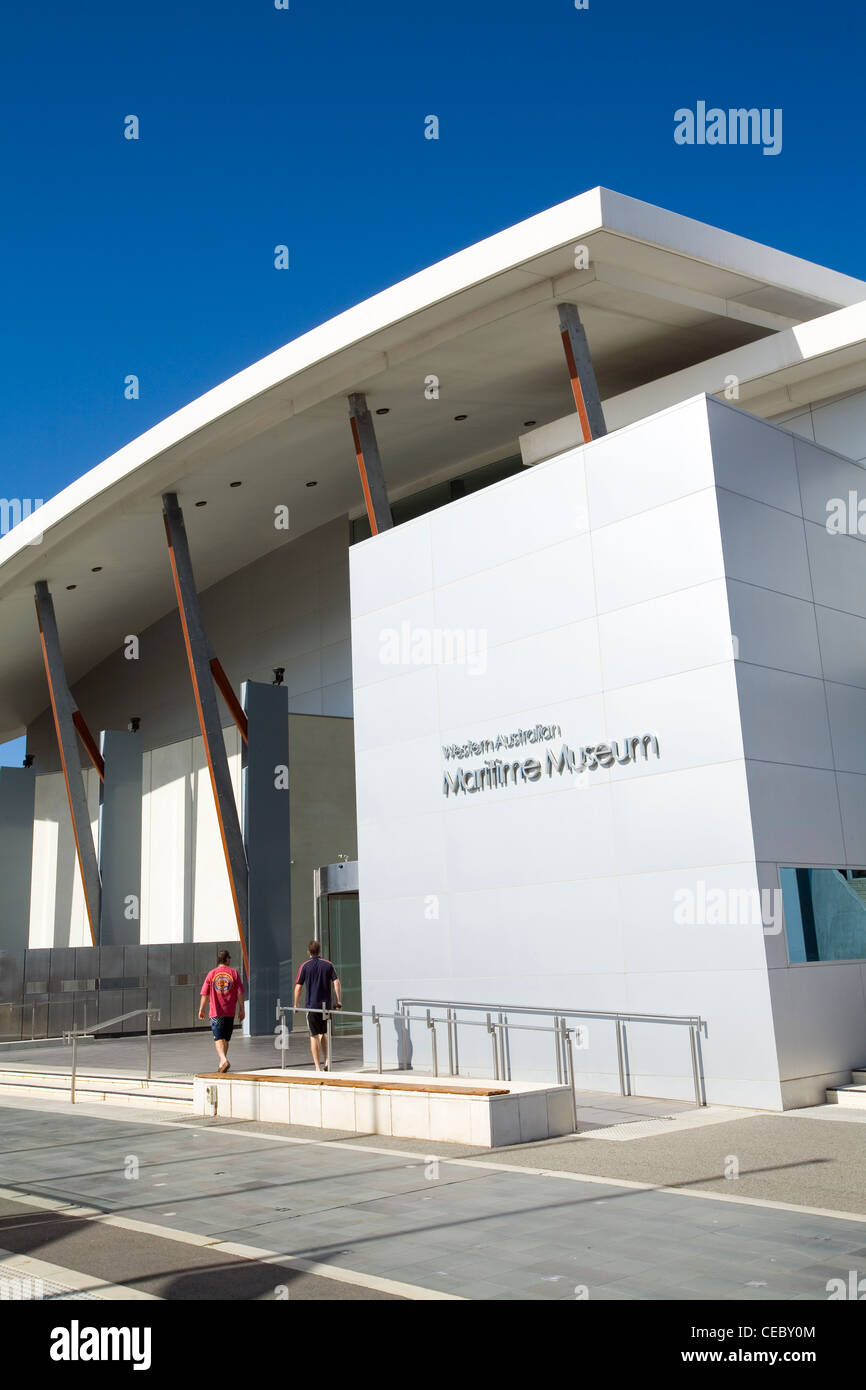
(660, 292)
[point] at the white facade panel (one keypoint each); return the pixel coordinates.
(686, 612)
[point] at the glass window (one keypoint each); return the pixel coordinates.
(825, 913)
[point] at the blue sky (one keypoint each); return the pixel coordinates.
(305, 127)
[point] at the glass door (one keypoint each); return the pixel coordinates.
(338, 927)
(341, 943)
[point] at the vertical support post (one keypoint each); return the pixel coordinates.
(693, 1040)
(431, 1024)
(199, 658)
(64, 710)
(580, 369)
(449, 1014)
(378, 1025)
(17, 806)
(266, 836)
(569, 1044)
(491, 1028)
(149, 1044)
(74, 1068)
(369, 464)
(503, 1064)
(328, 1017)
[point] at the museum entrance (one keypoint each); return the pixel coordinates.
(338, 928)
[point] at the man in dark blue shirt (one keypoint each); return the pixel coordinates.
(318, 975)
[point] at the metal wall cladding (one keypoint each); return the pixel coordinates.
(158, 964)
(15, 1021)
(65, 987)
(60, 1019)
(110, 1004)
(159, 994)
(183, 961)
(61, 968)
(184, 1007)
(136, 961)
(134, 999)
(111, 968)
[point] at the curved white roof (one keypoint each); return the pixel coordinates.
(661, 293)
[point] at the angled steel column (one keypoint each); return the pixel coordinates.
(369, 465)
(64, 710)
(199, 656)
(580, 369)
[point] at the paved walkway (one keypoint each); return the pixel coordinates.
(424, 1220)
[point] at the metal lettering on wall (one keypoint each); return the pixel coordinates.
(501, 772)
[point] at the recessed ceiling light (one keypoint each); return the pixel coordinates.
(201, 504)
(235, 484)
(461, 417)
(96, 569)
(72, 586)
(528, 422)
(384, 410)
(313, 484)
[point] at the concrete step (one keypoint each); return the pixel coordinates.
(858, 1076)
(854, 1097)
(112, 1090)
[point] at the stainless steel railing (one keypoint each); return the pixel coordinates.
(563, 1037)
(73, 1036)
(619, 1018)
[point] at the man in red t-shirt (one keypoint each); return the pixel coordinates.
(225, 990)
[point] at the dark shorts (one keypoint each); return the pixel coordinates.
(222, 1028)
(318, 1024)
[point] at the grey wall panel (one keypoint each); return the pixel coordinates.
(120, 838)
(266, 834)
(183, 962)
(62, 968)
(110, 1004)
(134, 999)
(60, 1018)
(136, 961)
(111, 967)
(17, 795)
(184, 1007)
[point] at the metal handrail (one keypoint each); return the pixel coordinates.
(694, 1022)
(73, 1036)
(562, 1034)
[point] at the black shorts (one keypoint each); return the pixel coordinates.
(318, 1024)
(222, 1029)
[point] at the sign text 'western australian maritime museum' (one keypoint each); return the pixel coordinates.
(501, 770)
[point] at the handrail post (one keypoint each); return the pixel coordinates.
(284, 1037)
(448, 1015)
(330, 1037)
(619, 1056)
(558, 1044)
(378, 1025)
(404, 1046)
(149, 1045)
(569, 1056)
(431, 1024)
(693, 1043)
(74, 1066)
(503, 1064)
(491, 1028)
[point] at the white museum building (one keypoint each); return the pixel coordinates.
(542, 577)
